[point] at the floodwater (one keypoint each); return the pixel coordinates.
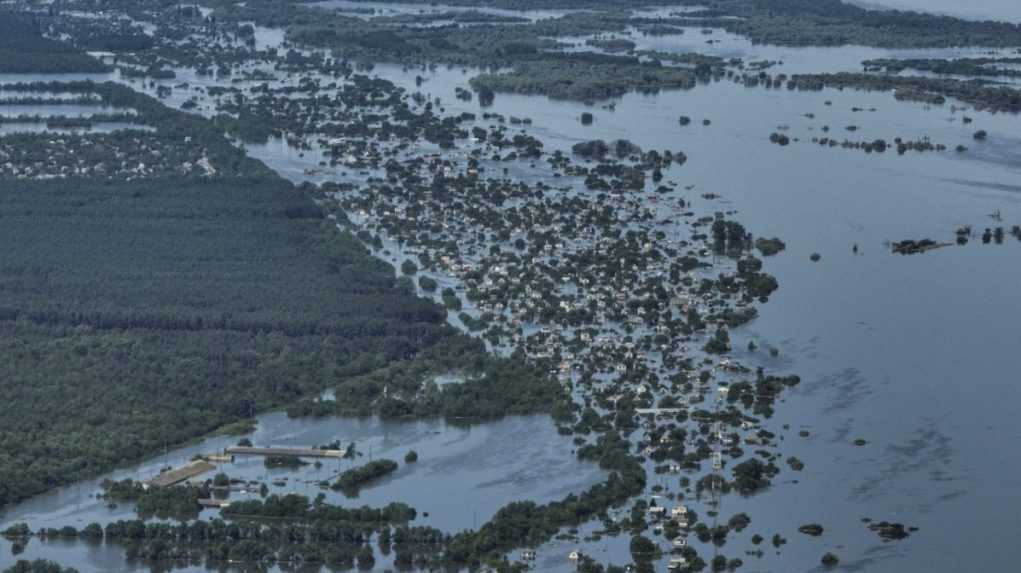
(913, 354)
(55, 110)
(100, 127)
(1004, 10)
(788, 60)
(33, 78)
(462, 477)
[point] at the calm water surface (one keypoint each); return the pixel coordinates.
(1006, 10)
(463, 475)
(912, 354)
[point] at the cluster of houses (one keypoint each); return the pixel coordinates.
(126, 155)
(617, 292)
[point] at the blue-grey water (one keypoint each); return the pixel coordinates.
(462, 476)
(912, 354)
(1005, 10)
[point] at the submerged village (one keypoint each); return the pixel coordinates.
(595, 284)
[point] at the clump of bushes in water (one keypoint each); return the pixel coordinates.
(596, 148)
(152, 72)
(411, 457)
(736, 317)
(294, 507)
(585, 77)
(739, 521)
(177, 502)
(980, 94)
(643, 549)
(612, 44)
(451, 300)
(752, 475)
(760, 395)
(719, 343)
(730, 237)
(38, 566)
(284, 462)
(428, 284)
(760, 285)
(769, 247)
(354, 479)
(976, 67)
(911, 247)
(17, 530)
(891, 531)
(337, 543)
(813, 529)
(475, 324)
(69, 123)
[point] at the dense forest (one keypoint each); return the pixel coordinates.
(492, 387)
(24, 50)
(136, 316)
(140, 314)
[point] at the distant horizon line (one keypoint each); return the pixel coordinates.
(884, 5)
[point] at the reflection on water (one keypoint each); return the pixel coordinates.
(462, 476)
